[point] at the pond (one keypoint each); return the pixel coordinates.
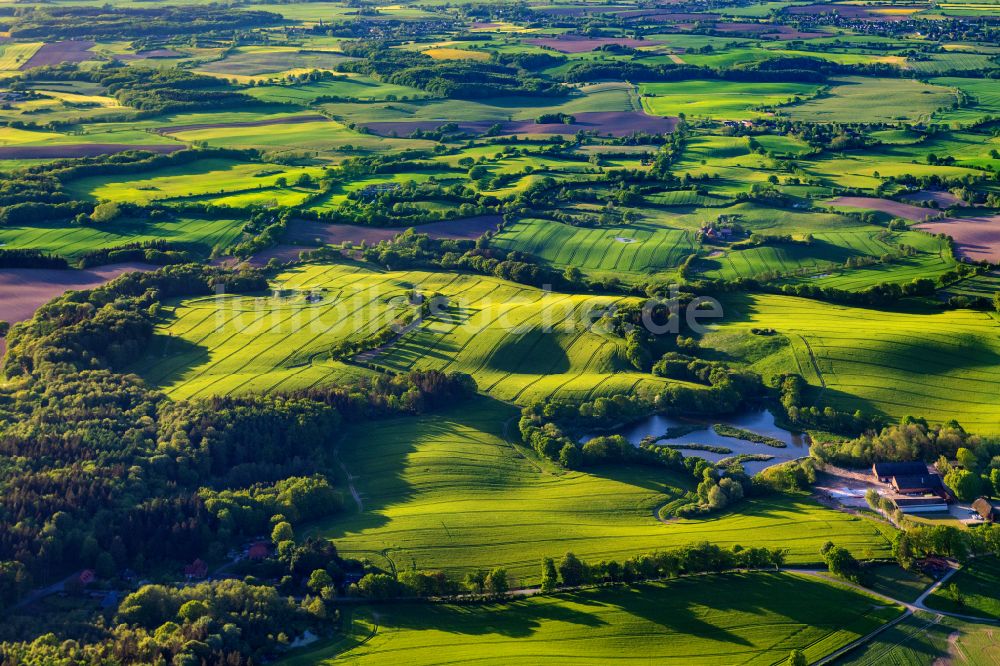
(760, 422)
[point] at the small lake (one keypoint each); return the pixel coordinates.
(760, 422)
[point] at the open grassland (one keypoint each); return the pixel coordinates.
(347, 86)
(255, 61)
(722, 100)
(978, 581)
(821, 264)
(936, 365)
(491, 329)
(727, 161)
(826, 251)
(857, 99)
(983, 96)
(447, 491)
(637, 248)
(865, 169)
(72, 240)
(320, 136)
(15, 54)
(754, 619)
(221, 179)
(598, 98)
(61, 102)
(939, 63)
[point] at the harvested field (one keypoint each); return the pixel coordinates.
(80, 150)
(59, 52)
(151, 54)
(580, 11)
(941, 197)
(888, 206)
(661, 15)
(615, 123)
(577, 44)
(24, 290)
(744, 27)
(976, 238)
(470, 228)
(289, 120)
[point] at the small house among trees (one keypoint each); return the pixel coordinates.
(197, 570)
(987, 509)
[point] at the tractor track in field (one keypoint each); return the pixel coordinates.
(812, 359)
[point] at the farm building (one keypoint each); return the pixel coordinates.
(884, 471)
(920, 504)
(918, 485)
(987, 509)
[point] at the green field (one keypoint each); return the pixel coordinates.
(13, 55)
(984, 97)
(598, 97)
(727, 161)
(734, 618)
(978, 582)
(492, 330)
(788, 259)
(938, 365)
(71, 240)
(856, 99)
(322, 136)
(635, 248)
(721, 100)
(224, 181)
(919, 640)
(449, 492)
(933, 258)
(257, 61)
(356, 87)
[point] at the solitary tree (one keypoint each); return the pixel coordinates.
(797, 658)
